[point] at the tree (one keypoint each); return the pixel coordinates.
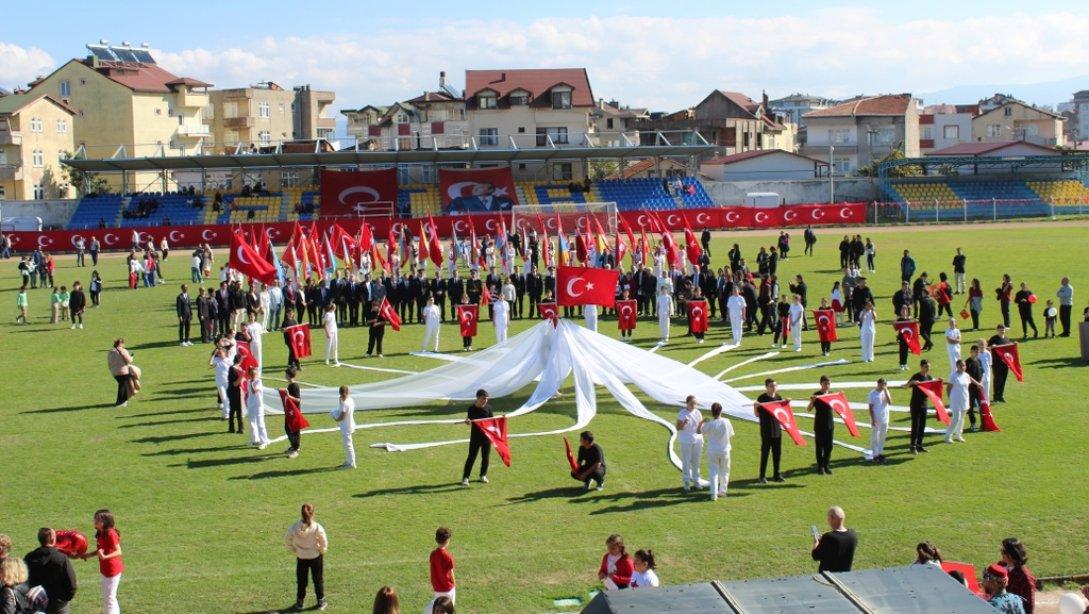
(897, 153)
(84, 183)
(600, 169)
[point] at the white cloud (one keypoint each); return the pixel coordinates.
(20, 65)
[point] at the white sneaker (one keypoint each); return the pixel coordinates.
(81, 326)
(600, 487)
(262, 446)
(483, 479)
(465, 482)
(293, 454)
(960, 439)
(336, 364)
(948, 440)
(73, 327)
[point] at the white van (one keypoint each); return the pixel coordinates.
(763, 200)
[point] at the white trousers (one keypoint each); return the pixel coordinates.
(960, 281)
(258, 433)
(796, 334)
(431, 337)
(500, 331)
(109, 595)
(878, 432)
(735, 327)
(986, 381)
(452, 594)
(224, 404)
(591, 318)
(349, 446)
(663, 326)
(258, 353)
(954, 355)
(867, 339)
(331, 348)
(690, 461)
(956, 422)
(718, 466)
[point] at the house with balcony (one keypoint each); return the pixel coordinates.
(858, 132)
(1003, 118)
(793, 108)
(35, 135)
(729, 120)
(617, 125)
(256, 116)
(311, 113)
(945, 125)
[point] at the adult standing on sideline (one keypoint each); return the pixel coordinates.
(478, 441)
(952, 342)
(1065, 295)
(810, 238)
(1022, 582)
(835, 550)
(81, 248)
(432, 319)
(77, 303)
(867, 330)
(50, 569)
(771, 432)
(824, 427)
(975, 302)
(110, 564)
(958, 389)
(918, 407)
(306, 539)
(717, 434)
(120, 363)
(871, 253)
(1024, 299)
(664, 305)
(958, 271)
(688, 419)
(184, 308)
(907, 267)
(255, 409)
(1000, 369)
(376, 324)
(879, 401)
(95, 248)
(329, 322)
(345, 417)
(591, 462)
(1004, 294)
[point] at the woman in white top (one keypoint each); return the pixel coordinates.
(867, 330)
(306, 539)
(255, 409)
(344, 414)
(501, 319)
(329, 322)
(644, 576)
(688, 420)
(265, 303)
(431, 326)
(222, 366)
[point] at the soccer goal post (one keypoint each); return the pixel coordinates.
(549, 218)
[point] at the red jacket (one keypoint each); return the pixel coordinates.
(624, 569)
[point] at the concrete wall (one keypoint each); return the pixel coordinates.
(54, 213)
(794, 192)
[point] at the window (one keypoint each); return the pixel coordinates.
(66, 89)
(230, 138)
(609, 124)
(839, 136)
(230, 110)
(841, 165)
(158, 111)
(994, 130)
(561, 98)
(403, 174)
(558, 136)
(326, 133)
(561, 171)
(281, 108)
(427, 173)
(264, 137)
(264, 109)
(519, 99)
(886, 136)
(62, 126)
(1008, 111)
(208, 112)
(487, 100)
(3, 157)
(37, 158)
(1032, 130)
(951, 133)
(289, 179)
(489, 137)
(39, 192)
(3, 192)
(36, 124)
(83, 82)
(61, 155)
(927, 133)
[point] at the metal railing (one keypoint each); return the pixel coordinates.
(966, 210)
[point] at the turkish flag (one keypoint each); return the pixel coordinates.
(580, 247)
(826, 325)
(365, 239)
(434, 247)
(986, 417)
(389, 313)
(299, 339)
(933, 390)
(248, 262)
(355, 193)
(697, 316)
(670, 249)
(691, 245)
(781, 411)
(467, 319)
(838, 402)
(423, 253)
(586, 286)
(248, 359)
(549, 312)
(625, 314)
(570, 457)
(71, 542)
(1008, 354)
(294, 420)
(909, 330)
(495, 429)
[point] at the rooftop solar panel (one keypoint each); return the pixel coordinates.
(102, 53)
(123, 54)
(143, 56)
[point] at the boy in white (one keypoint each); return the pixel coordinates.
(688, 421)
(255, 409)
(265, 302)
(329, 321)
(222, 366)
(735, 305)
(344, 414)
(867, 323)
(665, 310)
(589, 312)
(717, 434)
(957, 388)
(797, 313)
(254, 330)
(431, 326)
(985, 366)
(879, 401)
(501, 319)
(952, 343)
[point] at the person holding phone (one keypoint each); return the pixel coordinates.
(835, 550)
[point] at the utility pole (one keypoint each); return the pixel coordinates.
(831, 175)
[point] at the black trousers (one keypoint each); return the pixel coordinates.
(466, 342)
(918, 426)
(122, 388)
(826, 346)
(1005, 313)
(234, 401)
(1001, 372)
(973, 403)
(903, 350)
(775, 446)
(292, 360)
(869, 262)
(596, 476)
(1027, 321)
(823, 440)
(342, 313)
(316, 569)
(484, 447)
(374, 339)
(945, 308)
(975, 320)
(224, 323)
(183, 329)
(353, 313)
(1064, 319)
(294, 438)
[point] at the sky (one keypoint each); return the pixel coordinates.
(635, 52)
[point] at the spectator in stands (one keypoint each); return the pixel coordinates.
(835, 550)
(616, 565)
(50, 569)
(1021, 582)
(1065, 295)
(927, 553)
(1025, 299)
(995, 579)
(386, 602)
(306, 539)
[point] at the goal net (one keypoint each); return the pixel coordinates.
(549, 218)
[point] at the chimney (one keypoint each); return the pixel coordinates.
(764, 97)
(442, 79)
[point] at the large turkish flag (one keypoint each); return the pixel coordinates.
(298, 337)
(468, 315)
(697, 316)
(781, 411)
(909, 330)
(357, 193)
(586, 286)
(826, 325)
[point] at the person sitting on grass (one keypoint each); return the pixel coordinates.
(644, 575)
(616, 565)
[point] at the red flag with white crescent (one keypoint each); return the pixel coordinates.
(570, 457)
(423, 254)
(625, 314)
(909, 330)
(495, 429)
(781, 411)
(248, 360)
(586, 286)
(294, 420)
(298, 337)
(933, 390)
(1008, 354)
(691, 244)
(386, 310)
(838, 402)
(248, 262)
(434, 247)
(467, 319)
(986, 418)
(697, 316)
(826, 325)
(549, 312)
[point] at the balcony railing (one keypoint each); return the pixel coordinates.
(238, 122)
(11, 172)
(8, 137)
(195, 130)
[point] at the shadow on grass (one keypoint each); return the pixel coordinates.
(1059, 363)
(155, 414)
(166, 438)
(290, 608)
(564, 492)
(286, 473)
(208, 418)
(151, 345)
(177, 451)
(223, 462)
(651, 499)
(418, 489)
(57, 410)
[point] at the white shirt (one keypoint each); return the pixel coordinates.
(223, 369)
(253, 401)
(958, 393)
(509, 293)
(254, 330)
(717, 434)
(867, 321)
(665, 305)
(196, 262)
(431, 314)
(687, 433)
(796, 313)
(953, 334)
(346, 411)
(330, 321)
(500, 311)
(275, 297)
(736, 305)
(880, 406)
(644, 579)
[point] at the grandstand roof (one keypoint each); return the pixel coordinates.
(536, 81)
(891, 104)
(978, 148)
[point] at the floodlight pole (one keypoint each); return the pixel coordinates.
(831, 175)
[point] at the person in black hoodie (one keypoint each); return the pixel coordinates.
(50, 569)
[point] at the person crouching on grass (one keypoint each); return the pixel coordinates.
(591, 462)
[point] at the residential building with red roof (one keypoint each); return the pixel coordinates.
(1004, 118)
(858, 132)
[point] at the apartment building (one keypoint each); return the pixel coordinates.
(793, 108)
(617, 125)
(945, 125)
(1004, 118)
(863, 130)
(35, 135)
(311, 114)
(732, 121)
(256, 116)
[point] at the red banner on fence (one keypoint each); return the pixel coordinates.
(357, 193)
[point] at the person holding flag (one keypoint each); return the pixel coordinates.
(329, 322)
(903, 336)
(294, 422)
(376, 328)
(590, 466)
(958, 388)
(824, 427)
(625, 315)
(717, 433)
(467, 314)
(917, 405)
(1000, 369)
(825, 318)
(879, 401)
(478, 440)
(771, 432)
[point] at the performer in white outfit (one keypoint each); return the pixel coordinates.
(329, 321)
(985, 365)
(501, 319)
(222, 366)
(344, 414)
(688, 421)
(254, 330)
(665, 311)
(735, 305)
(589, 312)
(957, 388)
(255, 409)
(867, 323)
(716, 434)
(879, 401)
(797, 315)
(265, 302)
(952, 343)
(431, 326)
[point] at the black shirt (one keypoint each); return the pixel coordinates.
(478, 413)
(822, 415)
(588, 457)
(958, 263)
(918, 399)
(769, 426)
(50, 569)
(836, 550)
(293, 390)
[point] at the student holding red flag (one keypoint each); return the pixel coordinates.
(907, 335)
(824, 427)
(468, 314)
(957, 387)
(590, 466)
(697, 316)
(625, 316)
(771, 432)
(586, 286)
(294, 422)
(917, 405)
(826, 326)
(479, 443)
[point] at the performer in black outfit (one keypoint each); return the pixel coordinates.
(535, 289)
(292, 359)
(824, 427)
(771, 433)
(234, 394)
(478, 441)
(1000, 369)
(377, 329)
(1024, 309)
(591, 461)
(918, 407)
(437, 286)
(184, 309)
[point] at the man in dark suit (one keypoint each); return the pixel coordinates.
(356, 296)
(519, 282)
(474, 288)
(340, 292)
(484, 198)
(705, 241)
(223, 307)
(420, 290)
(534, 287)
(184, 308)
(437, 288)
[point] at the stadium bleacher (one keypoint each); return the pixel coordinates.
(175, 208)
(95, 209)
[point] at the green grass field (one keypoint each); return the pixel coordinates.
(202, 515)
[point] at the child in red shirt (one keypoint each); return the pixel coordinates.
(616, 566)
(442, 566)
(108, 553)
